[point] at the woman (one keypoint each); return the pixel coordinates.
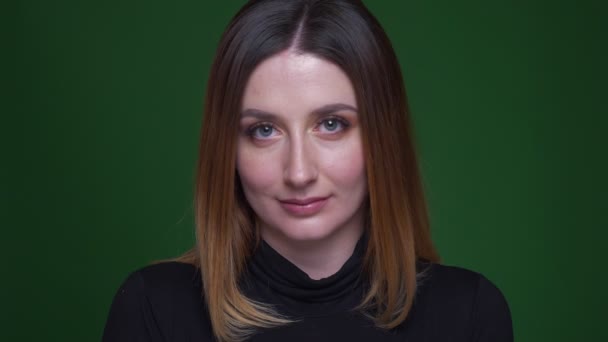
(310, 217)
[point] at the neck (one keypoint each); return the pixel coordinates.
(317, 258)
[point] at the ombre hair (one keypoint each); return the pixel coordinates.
(346, 34)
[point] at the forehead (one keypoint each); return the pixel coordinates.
(297, 82)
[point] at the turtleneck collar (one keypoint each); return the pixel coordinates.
(275, 280)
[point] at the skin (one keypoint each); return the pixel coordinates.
(300, 139)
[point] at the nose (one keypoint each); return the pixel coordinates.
(301, 168)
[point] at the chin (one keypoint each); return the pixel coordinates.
(304, 230)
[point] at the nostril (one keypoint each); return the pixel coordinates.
(300, 174)
(300, 178)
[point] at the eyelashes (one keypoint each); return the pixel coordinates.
(329, 126)
(333, 124)
(261, 130)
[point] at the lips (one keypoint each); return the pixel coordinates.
(305, 206)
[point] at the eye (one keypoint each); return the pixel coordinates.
(332, 125)
(262, 131)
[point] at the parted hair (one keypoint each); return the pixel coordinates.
(346, 34)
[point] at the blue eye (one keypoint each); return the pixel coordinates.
(262, 131)
(333, 125)
(330, 124)
(265, 131)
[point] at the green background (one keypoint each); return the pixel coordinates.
(102, 110)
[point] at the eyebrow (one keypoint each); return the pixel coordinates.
(324, 110)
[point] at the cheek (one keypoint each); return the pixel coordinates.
(256, 173)
(346, 167)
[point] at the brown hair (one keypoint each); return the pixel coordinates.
(346, 34)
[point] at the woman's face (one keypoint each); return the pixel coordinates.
(299, 155)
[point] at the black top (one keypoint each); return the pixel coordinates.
(163, 302)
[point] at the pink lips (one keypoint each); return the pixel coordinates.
(304, 207)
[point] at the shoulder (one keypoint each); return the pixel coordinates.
(165, 284)
(161, 280)
(456, 283)
(457, 297)
(447, 280)
(169, 275)
(155, 301)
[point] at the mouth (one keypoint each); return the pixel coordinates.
(304, 206)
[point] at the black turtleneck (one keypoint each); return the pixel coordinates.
(164, 302)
